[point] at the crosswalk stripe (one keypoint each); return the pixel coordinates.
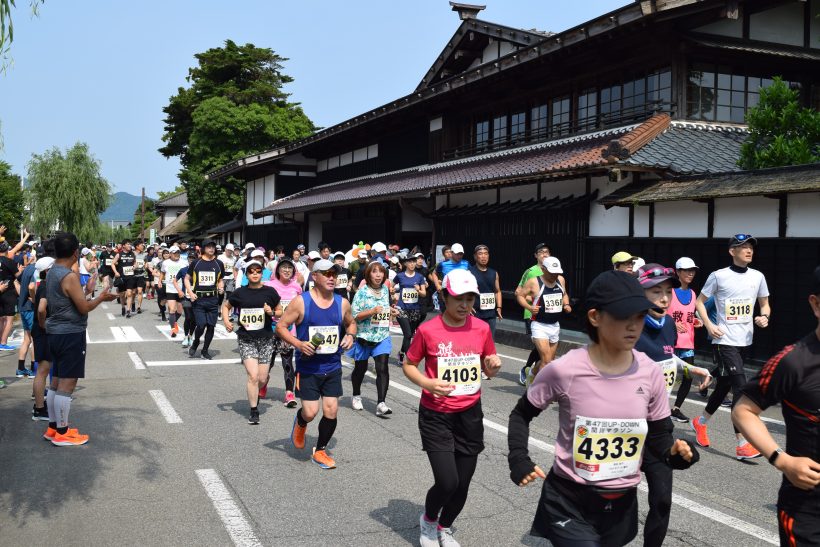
(188, 362)
(125, 334)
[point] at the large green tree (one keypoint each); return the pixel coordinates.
(67, 191)
(234, 107)
(11, 201)
(781, 132)
(7, 28)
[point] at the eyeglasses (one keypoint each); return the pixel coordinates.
(327, 273)
(658, 272)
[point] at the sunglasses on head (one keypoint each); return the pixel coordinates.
(327, 273)
(741, 237)
(658, 272)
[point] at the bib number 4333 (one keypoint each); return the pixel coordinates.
(607, 448)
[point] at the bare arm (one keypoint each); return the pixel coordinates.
(41, 313)
(114, 264)
(711, 328)
(73, 290)
(437, 387)
(25, 235)
(762, 320)
(226, 313)
(498, 299)
(294, 313)
(349, 324)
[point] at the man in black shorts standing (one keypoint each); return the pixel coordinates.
(792, 379)
(66, 324)
(123, 267)
(204, 283)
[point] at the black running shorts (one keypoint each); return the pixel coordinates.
(311, 387)
(458, 432)
(798, 516)
(206, 310)
(68, 354)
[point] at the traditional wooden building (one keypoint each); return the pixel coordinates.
(620, 133)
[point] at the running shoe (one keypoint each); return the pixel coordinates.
(701, 432)
(429, 532)
(174, 330)
(7, 347)
(324, 460)
(484, 376)
(254, 417)
(2, 384)
(128, 315)
(206, 355)
(186, 342)
(263, 391)
(383, 410)
(21, 373)
(522, 375)
(446, 539)
(746, 452)
(727, 403)
(297, 434)
(51, 432)
(679, 416)
(69, 439)
(401, 359)
(356, 402)
(39, 415)
(139, 311)
(290, 399)
(123, 311)
(192, 351)
(704, 393)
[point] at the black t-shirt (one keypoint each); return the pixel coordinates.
(205, 275)
(792, 378)
(341, 282)
(105, 262)
(39, 293)
(125, 265)
(249, 303)
(8, 269)
(486, 286)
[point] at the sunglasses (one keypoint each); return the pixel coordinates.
(658, 272)
(741, 237)
(327, 273)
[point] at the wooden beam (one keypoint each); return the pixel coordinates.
(783, 216)
(652, 219)
(631, 221)
(710, 218)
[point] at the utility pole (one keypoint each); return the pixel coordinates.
(142, 220)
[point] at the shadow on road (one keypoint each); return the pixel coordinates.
(401, 516)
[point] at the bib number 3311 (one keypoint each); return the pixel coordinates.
(462, 370)
(605, 449)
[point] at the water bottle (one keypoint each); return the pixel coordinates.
(317, 340)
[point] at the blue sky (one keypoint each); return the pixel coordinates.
(101, 71)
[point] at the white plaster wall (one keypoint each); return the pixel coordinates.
(681, 219)
(564, 188)
(411, 221)
(782, 25)
(523, 193)
(506, 48)
(269, 195)
(259, 197)
(607, 222)
(641, 221)
(315, 229)
(749, 215)
(804, 215)
(724, 27)
(250, 189)
(472, 198)
(490, 52)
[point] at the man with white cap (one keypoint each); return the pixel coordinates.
(241, 262)
(203, 284)
(546, 299)
(312, 258)
(170, 268)
(456, 262)
(324, 325)
(228, 260)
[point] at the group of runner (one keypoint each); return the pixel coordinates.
(615, 421)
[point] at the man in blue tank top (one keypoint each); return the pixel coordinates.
(324, 328)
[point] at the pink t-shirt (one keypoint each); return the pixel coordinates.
(683, 314)
(286, 294)
(458, 347)
(580, 389)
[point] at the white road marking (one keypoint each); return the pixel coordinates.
(104, 306)
(165, 329)
(229, 512)
(123, 341)
(165, 407)
(125, 334)
(138, 364)
(187, 362)
(110, 316)
(708, 512)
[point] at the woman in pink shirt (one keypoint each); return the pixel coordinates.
(455, 347)
(613, 403)
(288, 288)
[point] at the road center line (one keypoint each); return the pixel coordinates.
(703, 510)
(138, 364)
(165, 407)
(232, 518)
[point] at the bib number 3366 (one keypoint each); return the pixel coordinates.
(605, 449)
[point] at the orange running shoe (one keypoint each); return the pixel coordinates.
(68, 439)
(324, 460)
(701, 432)
(297, 435)
(174, 330)
(746, 452)
(50, 432)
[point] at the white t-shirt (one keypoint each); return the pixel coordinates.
(171, 268)
(302, 268)
(228, 263)
(735, 297)
(239, 264)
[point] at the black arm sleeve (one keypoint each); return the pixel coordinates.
(659, 442)
(518, 433)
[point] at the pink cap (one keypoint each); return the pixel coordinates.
(459, 282)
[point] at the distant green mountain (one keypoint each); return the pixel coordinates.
(122, 207)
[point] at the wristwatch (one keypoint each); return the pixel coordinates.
(775, 454)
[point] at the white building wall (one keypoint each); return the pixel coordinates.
(641, 221)
(782, 25)
(522, 193)
(681, 219)
(564, 188)
(724, 27)
(315, 229)
(472, 198)
(605, 222)
(804, 215)
(749, 215)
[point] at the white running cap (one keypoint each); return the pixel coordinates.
(685, 263)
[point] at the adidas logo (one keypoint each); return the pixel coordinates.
(639, 391)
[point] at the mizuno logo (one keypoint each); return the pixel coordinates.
(562, 523)
(639, 391)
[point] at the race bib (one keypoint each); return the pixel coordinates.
(739, 310)
(341, 281)
(127, 270)
(409, 296)
(206, 279)
(252, 318)
(331, 343)
(380, 320)
(670, 373)
(140, 263)
(284, 304)
(607, 448)
(462, 370)
(109, 261)
(553, 303)
(486, 301)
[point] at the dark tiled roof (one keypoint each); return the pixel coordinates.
(515, 207)
(528, 162)
(776, 181)
(226, 227)
(760, 48)
(180, 199)
(693, 147)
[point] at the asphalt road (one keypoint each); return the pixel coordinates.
(172, 461)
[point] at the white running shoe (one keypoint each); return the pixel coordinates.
(356, 401)
(383, 410)
(429, 532)
(446, 539)
(186, 342)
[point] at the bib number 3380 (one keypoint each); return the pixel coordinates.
(462, 370)
(605, 449)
